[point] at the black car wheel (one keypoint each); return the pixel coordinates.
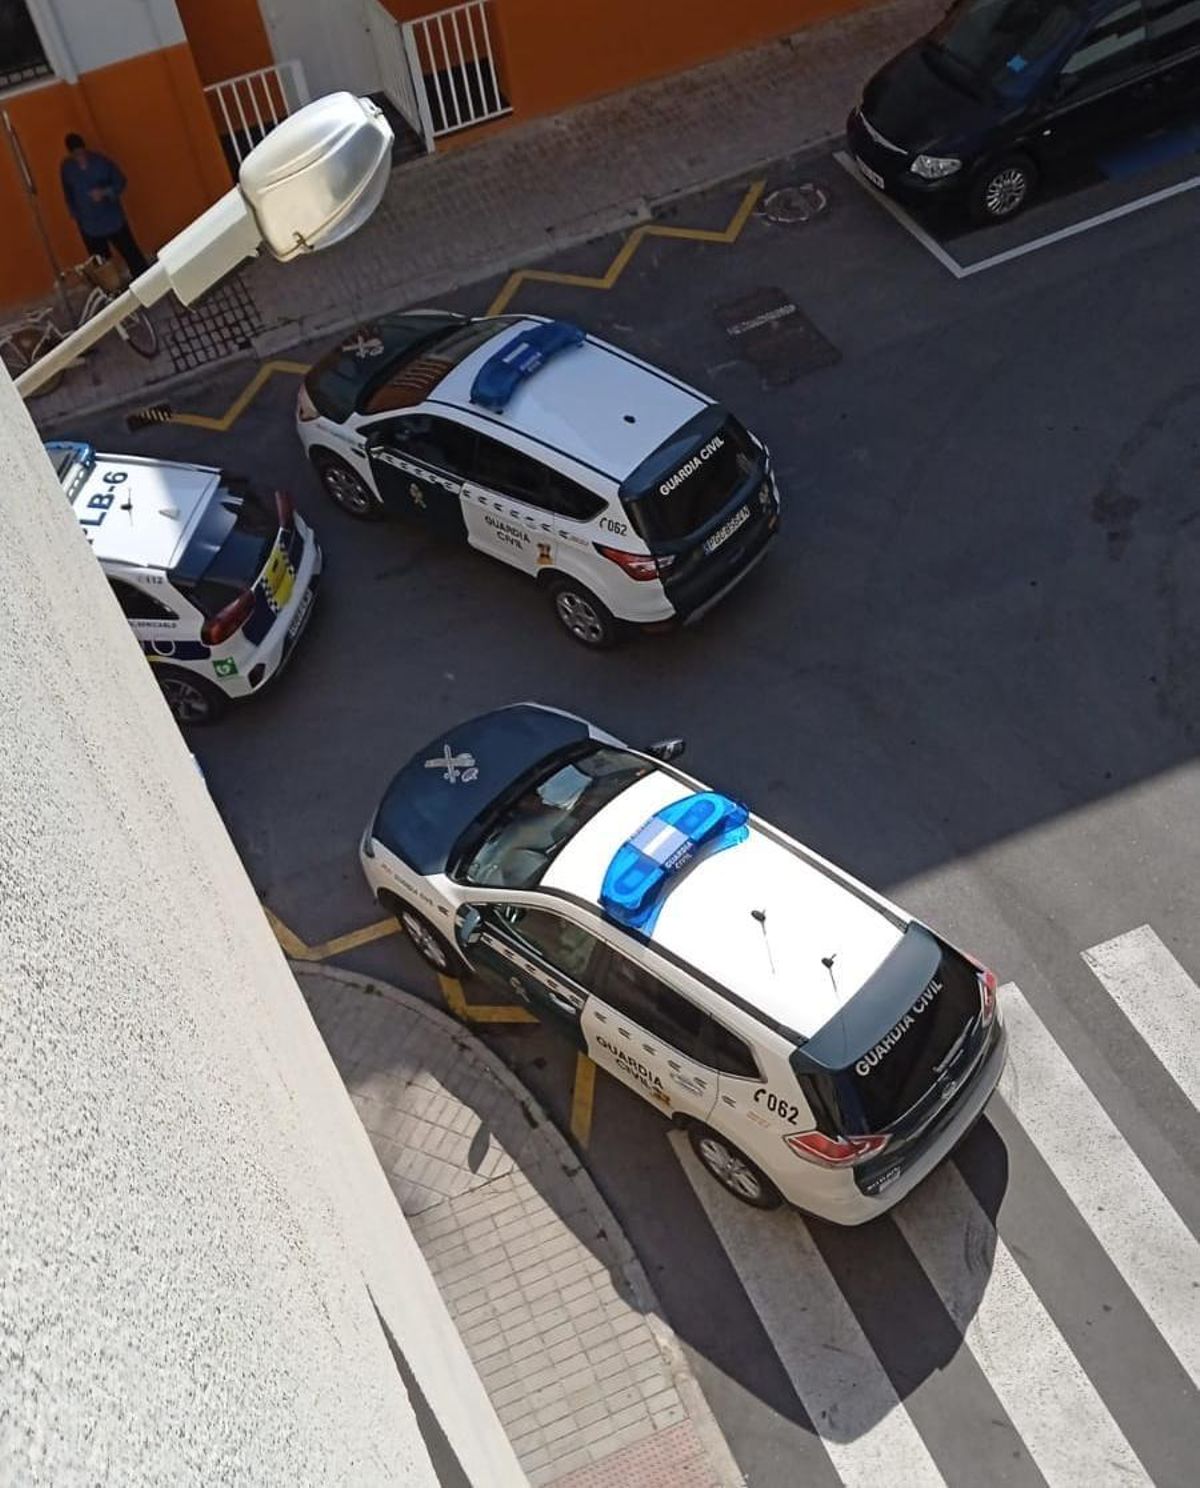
(733, 1170)
(1002, 189)
(428, 942)
(191, 699)
(583, 616)
(346, 488)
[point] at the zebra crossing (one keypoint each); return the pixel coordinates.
(1076, 1425)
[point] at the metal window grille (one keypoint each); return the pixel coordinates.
(22, 56)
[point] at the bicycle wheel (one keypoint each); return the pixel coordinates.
(140, 334)
(21, 349)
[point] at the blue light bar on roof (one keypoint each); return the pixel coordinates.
(643, 868)
(503, 372)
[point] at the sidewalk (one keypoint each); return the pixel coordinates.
(464, 215)
(551, 1302)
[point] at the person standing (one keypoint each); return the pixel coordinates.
(92, 186)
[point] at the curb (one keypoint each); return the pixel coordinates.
(727, 1474)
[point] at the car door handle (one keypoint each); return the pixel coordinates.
(564, 1004)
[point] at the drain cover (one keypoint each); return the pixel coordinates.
(774, 335)
(792, 204)
(224, 321)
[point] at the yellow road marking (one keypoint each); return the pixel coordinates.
(223, 423)
(300, 950)
(475, 1013)
(632, 243)
(582, 1098)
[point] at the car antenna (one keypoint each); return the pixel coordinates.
(761, 916)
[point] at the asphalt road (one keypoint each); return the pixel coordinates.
(968, 672)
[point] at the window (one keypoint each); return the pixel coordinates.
(1174, 24)
(138, 605)
(640, 995)
(567, 947)
(520, 841)
(1008, 45)
(434, 441)
(1109, 49)
(22, 56)
(507, 471)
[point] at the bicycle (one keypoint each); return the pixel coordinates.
(23, 343)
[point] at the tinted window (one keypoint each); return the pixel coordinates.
(511, 473)
(1173, 23)
(642, 996)
(138, 605)
(369, 355)
(567, 947)
(519, 843)
(21, 56)
(434, 441)
(689, 479)
(1008, 45)
(227, 551)
(1108, 49)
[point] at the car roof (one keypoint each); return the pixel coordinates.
(450, 783)
(591, 402)
(156, 505)
(707, 915)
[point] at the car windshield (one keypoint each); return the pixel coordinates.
(519, 843)
(1008, 45)
(688, 480)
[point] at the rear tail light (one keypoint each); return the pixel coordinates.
(639, 566)
(284, 508)
(835, 1152)
(228, 621)
(987, 990)
(306, 409)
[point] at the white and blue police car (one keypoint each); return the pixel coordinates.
(819, 1044)
(217, 584)
(630, 497)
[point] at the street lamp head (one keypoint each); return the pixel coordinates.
(319, 175)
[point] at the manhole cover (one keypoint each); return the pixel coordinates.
(224, 321)
(791, 204)
(774, 335)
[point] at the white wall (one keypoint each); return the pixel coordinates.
(190, 1212)
(329, 37)
(96, 33)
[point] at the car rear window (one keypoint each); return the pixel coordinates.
(368, 356)
(690, 478)
(892, 1076)
(228, 549)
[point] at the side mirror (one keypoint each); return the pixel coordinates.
(666, 749)
(468, 927)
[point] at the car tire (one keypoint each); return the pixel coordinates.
(346, 488)
(584, 617)
(1002, 189)
(428, 942)
(193, 701)
(732, 1169)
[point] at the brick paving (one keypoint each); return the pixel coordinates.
(550, 1300)
(463, 215)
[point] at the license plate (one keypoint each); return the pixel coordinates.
(726, 530)
(874, 177)
(298, 619)
(279, 576)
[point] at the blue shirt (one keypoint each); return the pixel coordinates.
(95, 218)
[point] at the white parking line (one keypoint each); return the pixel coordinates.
(1158, 997)
(868, 1434)
(1124, 1208)
(964, 271)
(1060, 1417)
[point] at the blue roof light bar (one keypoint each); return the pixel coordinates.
(505, 370)
(643, 868)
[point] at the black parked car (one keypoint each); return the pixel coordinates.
(1003, 92)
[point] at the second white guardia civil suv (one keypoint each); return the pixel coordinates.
(630, 497)
(818, 1044)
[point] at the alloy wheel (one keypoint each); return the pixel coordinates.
(347, 490)
(730, 1169)
(424, 940)
(1006, 191)
(579, 617)
(187, 701)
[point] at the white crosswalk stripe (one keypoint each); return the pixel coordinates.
(1158, 997)
(868, 1434)
(1125, 1209)
(1064, 1424)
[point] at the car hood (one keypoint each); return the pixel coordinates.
(914, 107)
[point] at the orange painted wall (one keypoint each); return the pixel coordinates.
(150, 115)
(227, 37)
(560, 52)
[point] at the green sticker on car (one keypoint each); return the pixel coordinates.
(225, 666)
